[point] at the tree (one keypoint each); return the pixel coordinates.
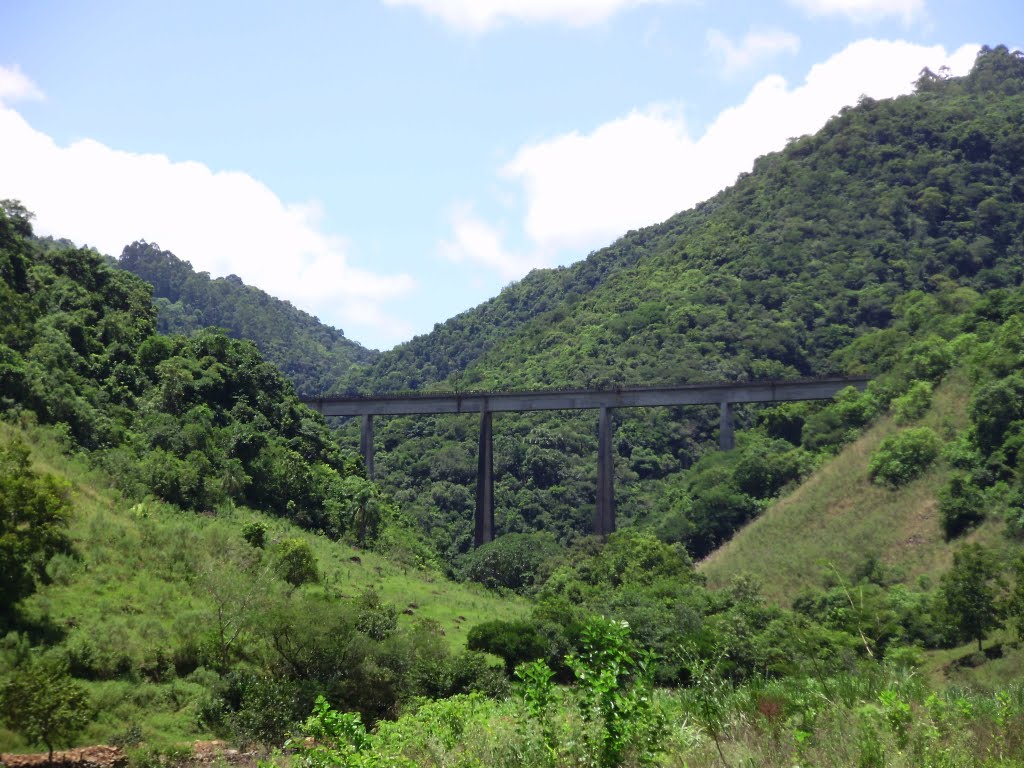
(238, 588)
(515, 561)
(905, 455)
(365, 506)
(20, 216)
(516, 642)
(296, 562)
(33, 517)
(1015, 605)
(43, 703)
(971, 593)
(961, 505)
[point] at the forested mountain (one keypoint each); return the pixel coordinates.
(154, 586)
(776, 273)
(895, 214)
(455, 345)
(313, 355)
(198, 421)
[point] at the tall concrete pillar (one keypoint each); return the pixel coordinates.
(604, 515)
(484, 528)
(366, 444)
(726, 429)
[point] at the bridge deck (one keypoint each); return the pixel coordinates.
(574, 399)
(724, 395)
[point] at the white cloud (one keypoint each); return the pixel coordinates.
(863, 10)
(582, 190)
(477, 242)
(478, 16)
(756, 46)
(222, 221)
(14, 86)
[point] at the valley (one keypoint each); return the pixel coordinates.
(190, 551)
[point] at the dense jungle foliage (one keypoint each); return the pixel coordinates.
(313, 355)
(196, 421)
(175, 527)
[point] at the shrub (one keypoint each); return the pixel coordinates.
(914, 404)
(905, 455)
(516, 642)
(296, 563)
(840, 421)
(927, 359)
(960, 505)
(765, 466)
(994, 408)
(614, 688)
(255, 533)
(516, 561)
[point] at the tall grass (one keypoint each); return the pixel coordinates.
(838, 518)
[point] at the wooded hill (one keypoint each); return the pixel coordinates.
(313, 355)
(864, 249)
(151, 485)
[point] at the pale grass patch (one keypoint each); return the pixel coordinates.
(838, 517)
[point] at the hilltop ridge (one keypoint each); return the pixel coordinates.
(314, 356)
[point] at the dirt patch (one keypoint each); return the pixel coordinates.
(84, 757)
(206, 752)
(203, 753)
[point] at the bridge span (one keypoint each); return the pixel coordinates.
(725, 395)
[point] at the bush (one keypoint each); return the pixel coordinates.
(927, 359)
(841, 420)
(255, 533)
(905, 455)
(914, 404)
(514, 641)
(296, 563)
(995, 408)
(516, 561)
(765, 466)
(960, 505)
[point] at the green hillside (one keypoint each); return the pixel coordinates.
(187, 551)
(838, 519)
(456, 344)
(138, 601)
(184, 550)
(896, 222)
(314, 356)
(774, 274)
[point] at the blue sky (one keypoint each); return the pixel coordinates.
(386, 164)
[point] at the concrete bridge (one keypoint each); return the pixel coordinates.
(725, 395)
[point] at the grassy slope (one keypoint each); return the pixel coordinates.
(134, 586)
(838, 517)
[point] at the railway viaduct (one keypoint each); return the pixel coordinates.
(725, 395)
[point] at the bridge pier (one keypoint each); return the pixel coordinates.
(366, 444)
(726, 428)
(604, 515)
(725, 394)
(484, 522)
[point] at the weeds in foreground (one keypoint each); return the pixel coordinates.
(881, 717)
